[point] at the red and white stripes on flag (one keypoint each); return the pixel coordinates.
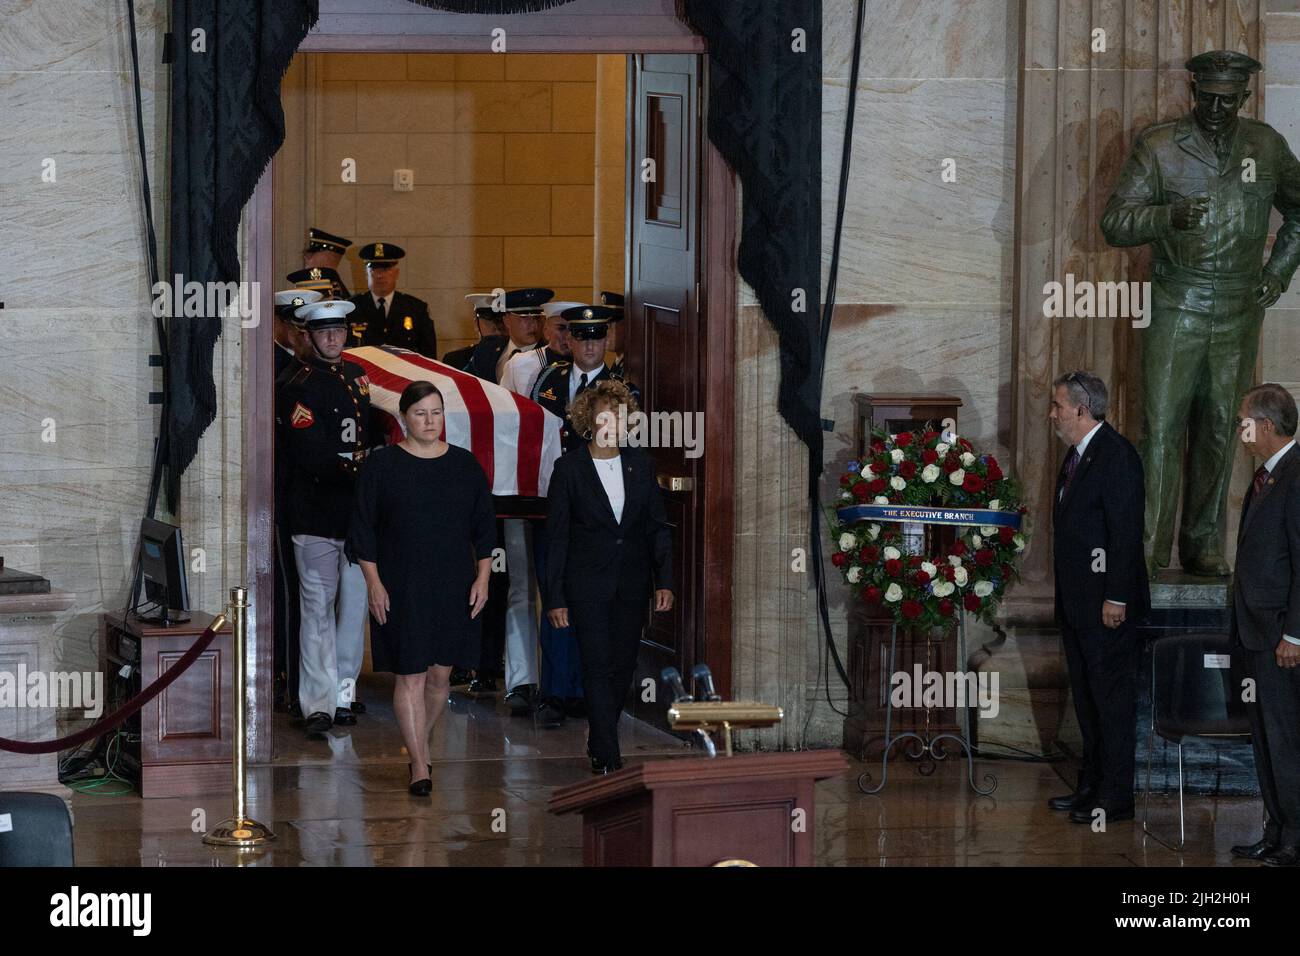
(514, 439)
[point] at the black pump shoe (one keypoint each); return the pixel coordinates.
(422, 788)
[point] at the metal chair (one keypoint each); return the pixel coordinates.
(35, 830)
(1193, 699)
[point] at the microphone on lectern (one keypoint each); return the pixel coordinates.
(671, 677)
(704, 679)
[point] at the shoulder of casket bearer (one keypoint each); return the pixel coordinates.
(381, 253)
(318, 240)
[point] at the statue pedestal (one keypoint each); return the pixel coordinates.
(1182, 603)
(28, 613)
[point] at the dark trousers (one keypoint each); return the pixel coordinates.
(608, 633)
(494, 618)
(1275, 737)
(286, 616)
(1103, 662)
(561, 674)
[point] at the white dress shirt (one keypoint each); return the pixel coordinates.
(610, 471)
(512, 349)
(575, 376)
(523, 370)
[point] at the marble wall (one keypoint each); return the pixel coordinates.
(76, 330)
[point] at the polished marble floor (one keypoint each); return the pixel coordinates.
(343, 802)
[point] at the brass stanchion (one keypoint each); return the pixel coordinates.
(239, 830)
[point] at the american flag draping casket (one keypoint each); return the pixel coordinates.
(514, 439)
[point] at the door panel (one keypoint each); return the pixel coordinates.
(663, 353)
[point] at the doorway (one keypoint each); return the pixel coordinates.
(691, 369)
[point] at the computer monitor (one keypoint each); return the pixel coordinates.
(162, 571)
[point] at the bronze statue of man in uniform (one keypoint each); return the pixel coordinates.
(1200, 189)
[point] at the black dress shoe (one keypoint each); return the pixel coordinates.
(459, 677)
(319, 722)
(483, 687)
(550, 713)
(522, 700)
(1073, 801)
(357, 707)
(422, 788)
(1282, 856)
(1253, 851)
(575, 707)
(344, 717)
(1113, 812)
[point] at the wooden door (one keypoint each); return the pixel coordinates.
(664, 357)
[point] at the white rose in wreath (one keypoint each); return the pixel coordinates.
(880, 500)
(892, 553)
(976, 541)
(897, 483)
(854, 575)
(957, 477)
(897, 455)
(943, 588)
(873, 531)
(847, 541)
(941, 448)
(960, 577)
(983, 588)
(893, 593)
(988, 529)
(867, 472)
(929, 473)
(954, 560)
(929, 568)
(1019, 541)
(967, 459)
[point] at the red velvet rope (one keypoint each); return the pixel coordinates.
(122, 713)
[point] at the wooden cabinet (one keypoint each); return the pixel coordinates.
(181, 742)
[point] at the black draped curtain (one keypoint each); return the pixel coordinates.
(764, 84)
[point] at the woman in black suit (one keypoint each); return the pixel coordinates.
(610, 545)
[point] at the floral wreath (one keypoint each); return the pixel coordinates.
(928, 470)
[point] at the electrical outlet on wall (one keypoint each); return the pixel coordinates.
(403, 180)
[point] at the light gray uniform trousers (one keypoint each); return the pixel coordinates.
(331, 636)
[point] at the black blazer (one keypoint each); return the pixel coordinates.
(1103, 509)
(421, 337)
(592, 557)
(1266, 582)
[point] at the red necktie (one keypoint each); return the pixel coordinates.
(1070, 464)
(1261, 478)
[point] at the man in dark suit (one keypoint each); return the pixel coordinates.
(487, 323)
(1101, 593)
(385, 316)
(1265, 616)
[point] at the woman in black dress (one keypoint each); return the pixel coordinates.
(609, 546)
(423, 531)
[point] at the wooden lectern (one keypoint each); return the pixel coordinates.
(695, 811)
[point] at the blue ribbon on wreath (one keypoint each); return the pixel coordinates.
(930, 514)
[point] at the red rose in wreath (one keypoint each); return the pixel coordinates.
(946, 607)
(869, 554)
(838, 559)
(871, 594)
(861, 491)
(907, 470)
(1005, 535)
(984, 557)
(929, 456)
(972, 483)
(972, 602)
(911, 609)
(894, 567)
(902, 439)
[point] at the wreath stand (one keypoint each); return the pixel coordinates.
(925, 746)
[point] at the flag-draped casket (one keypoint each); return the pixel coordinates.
(514, 439)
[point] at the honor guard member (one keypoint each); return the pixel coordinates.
(614, 344)
(326, 251)
(386, 316)
(524, 367)
(323, 419)
(522, 312)
(290, 349)
(560, 383)
(487, 323)
(290, 337)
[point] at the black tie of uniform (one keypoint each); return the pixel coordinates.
(383, 313)
(582, 383)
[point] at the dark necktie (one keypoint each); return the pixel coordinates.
(582, 383)
(1070, 464)
(383, 313)
(1261, 478)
